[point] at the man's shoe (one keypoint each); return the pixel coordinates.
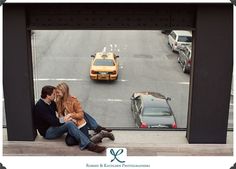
(106, 134)
(96, 148)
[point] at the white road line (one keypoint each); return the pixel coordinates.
(123, 80)
(57, 79)
(111, 45)
(104, 49)
(110, 100)
(63, 79)
(114, 100)
(183, 83)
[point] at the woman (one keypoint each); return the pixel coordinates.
(70, 106)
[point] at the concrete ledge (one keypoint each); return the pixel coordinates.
(138, 143)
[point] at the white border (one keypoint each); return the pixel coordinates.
(119, 1)
(79, 162)
(234, 63)
(1, 77)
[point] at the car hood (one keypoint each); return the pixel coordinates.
(158, 121)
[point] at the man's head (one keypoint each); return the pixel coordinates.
(62, 91)
(48, 92)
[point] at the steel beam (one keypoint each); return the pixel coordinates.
(17, 74)
(211, 75)
(212, 67)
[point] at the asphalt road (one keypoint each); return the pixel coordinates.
(146, 64)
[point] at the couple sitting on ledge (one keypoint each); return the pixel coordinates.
(57, 113)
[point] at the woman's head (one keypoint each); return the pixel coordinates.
(62, 91)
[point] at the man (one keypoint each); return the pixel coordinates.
(50, 127)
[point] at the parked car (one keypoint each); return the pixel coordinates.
(104, 66)
(178, 39)
(152, 110)
(184, 58)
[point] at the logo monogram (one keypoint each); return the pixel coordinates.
(115, 154)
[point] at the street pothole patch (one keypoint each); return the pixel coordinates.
(143, 56)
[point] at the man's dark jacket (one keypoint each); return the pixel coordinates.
(45, 116)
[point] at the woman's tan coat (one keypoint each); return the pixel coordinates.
(73, 107)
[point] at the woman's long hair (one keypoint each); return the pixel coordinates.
(60, 101)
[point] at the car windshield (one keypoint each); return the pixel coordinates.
(156, 111)
(185, 39)
(104, 62)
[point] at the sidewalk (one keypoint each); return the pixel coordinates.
(138, 143)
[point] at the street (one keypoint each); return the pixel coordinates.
(146, 64)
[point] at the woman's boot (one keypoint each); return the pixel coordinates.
(100, 128)
(106, 134)
(103, 134)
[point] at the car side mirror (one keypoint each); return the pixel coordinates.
(92, 56)
(168, 98)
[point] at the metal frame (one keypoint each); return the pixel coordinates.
(210, 83)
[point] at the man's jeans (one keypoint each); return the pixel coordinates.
(72, 129)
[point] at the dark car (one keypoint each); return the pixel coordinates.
(152, 110)
(184, 58)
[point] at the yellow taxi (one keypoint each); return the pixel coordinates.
(104, 66)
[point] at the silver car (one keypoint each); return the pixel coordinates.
(152, 110)
(178, 38)
(184, 58)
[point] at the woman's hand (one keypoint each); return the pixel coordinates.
(67, 117)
